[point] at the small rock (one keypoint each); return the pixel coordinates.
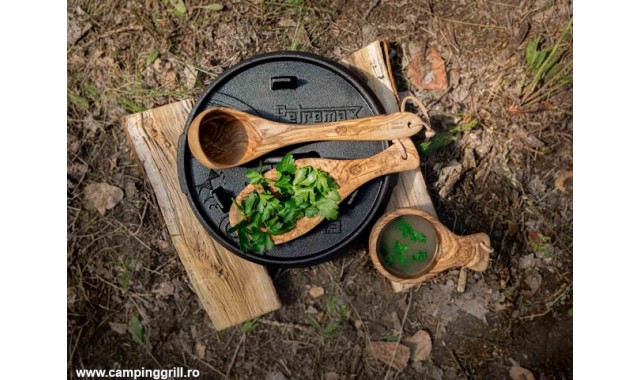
(103, 196)
(165, 289)
(201, 349)
(527, 261)
(533, 280)
(357, 324)
(311, 310)
(163, 245)
(119, 328)
(384, 352)
(419, 344)
(519, 373)
(130, 189)
(331, 376)
(316, 291)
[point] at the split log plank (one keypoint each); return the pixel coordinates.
(372, 64)
(230, 289)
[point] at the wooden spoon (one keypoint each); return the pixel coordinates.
(349, 174)
(222, 137)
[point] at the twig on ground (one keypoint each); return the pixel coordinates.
(455, 357)
(395, 349)
(243, 337)
(372, 5)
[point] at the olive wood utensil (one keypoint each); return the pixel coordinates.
(221, 137)
(453, 251)
(349, 174)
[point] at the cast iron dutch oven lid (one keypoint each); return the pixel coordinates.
(290, 87)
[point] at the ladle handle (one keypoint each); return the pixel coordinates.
(382, 127)
(400, 156)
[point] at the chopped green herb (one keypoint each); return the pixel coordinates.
(420, 256)
(277, 205)
(409, 232)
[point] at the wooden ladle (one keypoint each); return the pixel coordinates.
(452, 251)
(221, 137)
(349, 174)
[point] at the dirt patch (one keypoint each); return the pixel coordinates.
(512, 180)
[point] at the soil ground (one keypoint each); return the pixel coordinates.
(509, 176)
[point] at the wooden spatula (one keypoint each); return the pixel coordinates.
(349, 174)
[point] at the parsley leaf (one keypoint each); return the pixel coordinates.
(276, 206)
(253, 176)
(328, 208)
(286, 165)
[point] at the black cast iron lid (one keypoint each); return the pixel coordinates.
(291, 87)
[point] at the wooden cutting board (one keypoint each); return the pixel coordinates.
(231, 289)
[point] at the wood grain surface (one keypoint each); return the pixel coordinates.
(230, 289)
(221, 138)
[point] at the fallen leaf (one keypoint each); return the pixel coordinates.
(527, 261)
(130, 189)
(78, 169)
(137, 331)
(474, 305)
(316, 291)
(201, 349)
(71, 296)
(190, 76)
(119, 328)
(383, 351)
(435, 78)
(564, 182)
(519, 373)
(103, 196)
(75, 30)
(533, 280)
(369, 34)
(164, 245)
(151, 57)
(92, 124)
(419, 344)
(393, 321)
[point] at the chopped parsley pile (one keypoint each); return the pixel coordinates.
(277, 205)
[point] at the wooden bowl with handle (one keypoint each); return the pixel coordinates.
(452, 251)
